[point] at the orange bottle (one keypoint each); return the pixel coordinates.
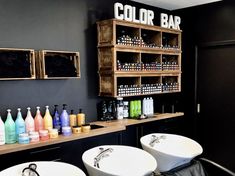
(38, 120)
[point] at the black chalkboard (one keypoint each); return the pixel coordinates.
(60, 65)
(15, 64)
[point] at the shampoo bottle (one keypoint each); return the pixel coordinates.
(38, 120)
(64, 117)
(29, 122)
(73, 119)
(81, 118)
(132, 114)
(138, 108)
(147, 106)
(151, 108)
(56, 119)
(48, 124)
(2, 132)
(144, 106)
(20, 124)
(10, 129)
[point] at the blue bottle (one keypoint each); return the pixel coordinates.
(56, 119)
(20, 124)
(64, 117)
(10, 129)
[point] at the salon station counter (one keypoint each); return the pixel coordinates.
(109, 127)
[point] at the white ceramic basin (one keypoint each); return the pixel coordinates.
(122, 161)
(45, 168)
(171, 150)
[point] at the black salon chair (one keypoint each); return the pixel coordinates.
(214, 169)
(199, 167)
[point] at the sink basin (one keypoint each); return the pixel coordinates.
(121, 161)
(171, 150)
(45, 168)
(94, 126)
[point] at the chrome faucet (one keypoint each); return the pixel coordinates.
(156, 139)
(103, 153)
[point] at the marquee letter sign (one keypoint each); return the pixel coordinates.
(128, 13)
(170, 22)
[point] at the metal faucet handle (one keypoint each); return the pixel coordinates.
(103, 153)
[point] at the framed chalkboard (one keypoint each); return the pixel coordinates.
(58, 64)
(17, 64)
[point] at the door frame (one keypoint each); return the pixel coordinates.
(214, 44)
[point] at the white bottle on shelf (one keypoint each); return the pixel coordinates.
(144, 106)
(151, 108)
(147, 106)
(2, 132)
(29, 121)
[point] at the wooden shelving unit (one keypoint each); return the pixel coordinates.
(136, 59)
(17, 64)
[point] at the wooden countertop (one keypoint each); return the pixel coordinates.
(128, 122)
(109, 127)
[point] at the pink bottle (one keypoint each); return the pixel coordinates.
(38, 120)
(29, 121)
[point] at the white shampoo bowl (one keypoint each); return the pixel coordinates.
(171, 150)
(45, 168)
(122, 161)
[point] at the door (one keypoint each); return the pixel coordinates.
(216, 96)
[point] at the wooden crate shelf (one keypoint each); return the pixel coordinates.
(17, 64)
(138, 53)
(57, 64)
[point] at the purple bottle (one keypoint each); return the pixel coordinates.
(64, 117)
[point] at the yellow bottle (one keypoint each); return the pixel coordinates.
(72, 119)
(47, 119)
(80, 118)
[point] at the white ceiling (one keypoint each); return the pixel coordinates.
(175, 4)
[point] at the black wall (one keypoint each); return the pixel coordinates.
(56, 25)
(214, 127)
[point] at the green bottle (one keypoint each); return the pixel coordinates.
(10, 129)
(138, 108)
(132, 109)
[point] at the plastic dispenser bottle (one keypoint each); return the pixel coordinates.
(29, 122)
(56, 119)
(147, 106)
(38, 120)
(132, 109)
(47, 119)
(138, 108)
(10, 129)
(144, 106)
(80, 118)
(2, 132)
(20, 124)
(73, 119)
(125, 109)
(64, 117)
(119, 108)
(151, 108)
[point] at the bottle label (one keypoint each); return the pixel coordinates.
(21, 129)
(2, 137)
(10, 135)
(125, 113)
(120, 113)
